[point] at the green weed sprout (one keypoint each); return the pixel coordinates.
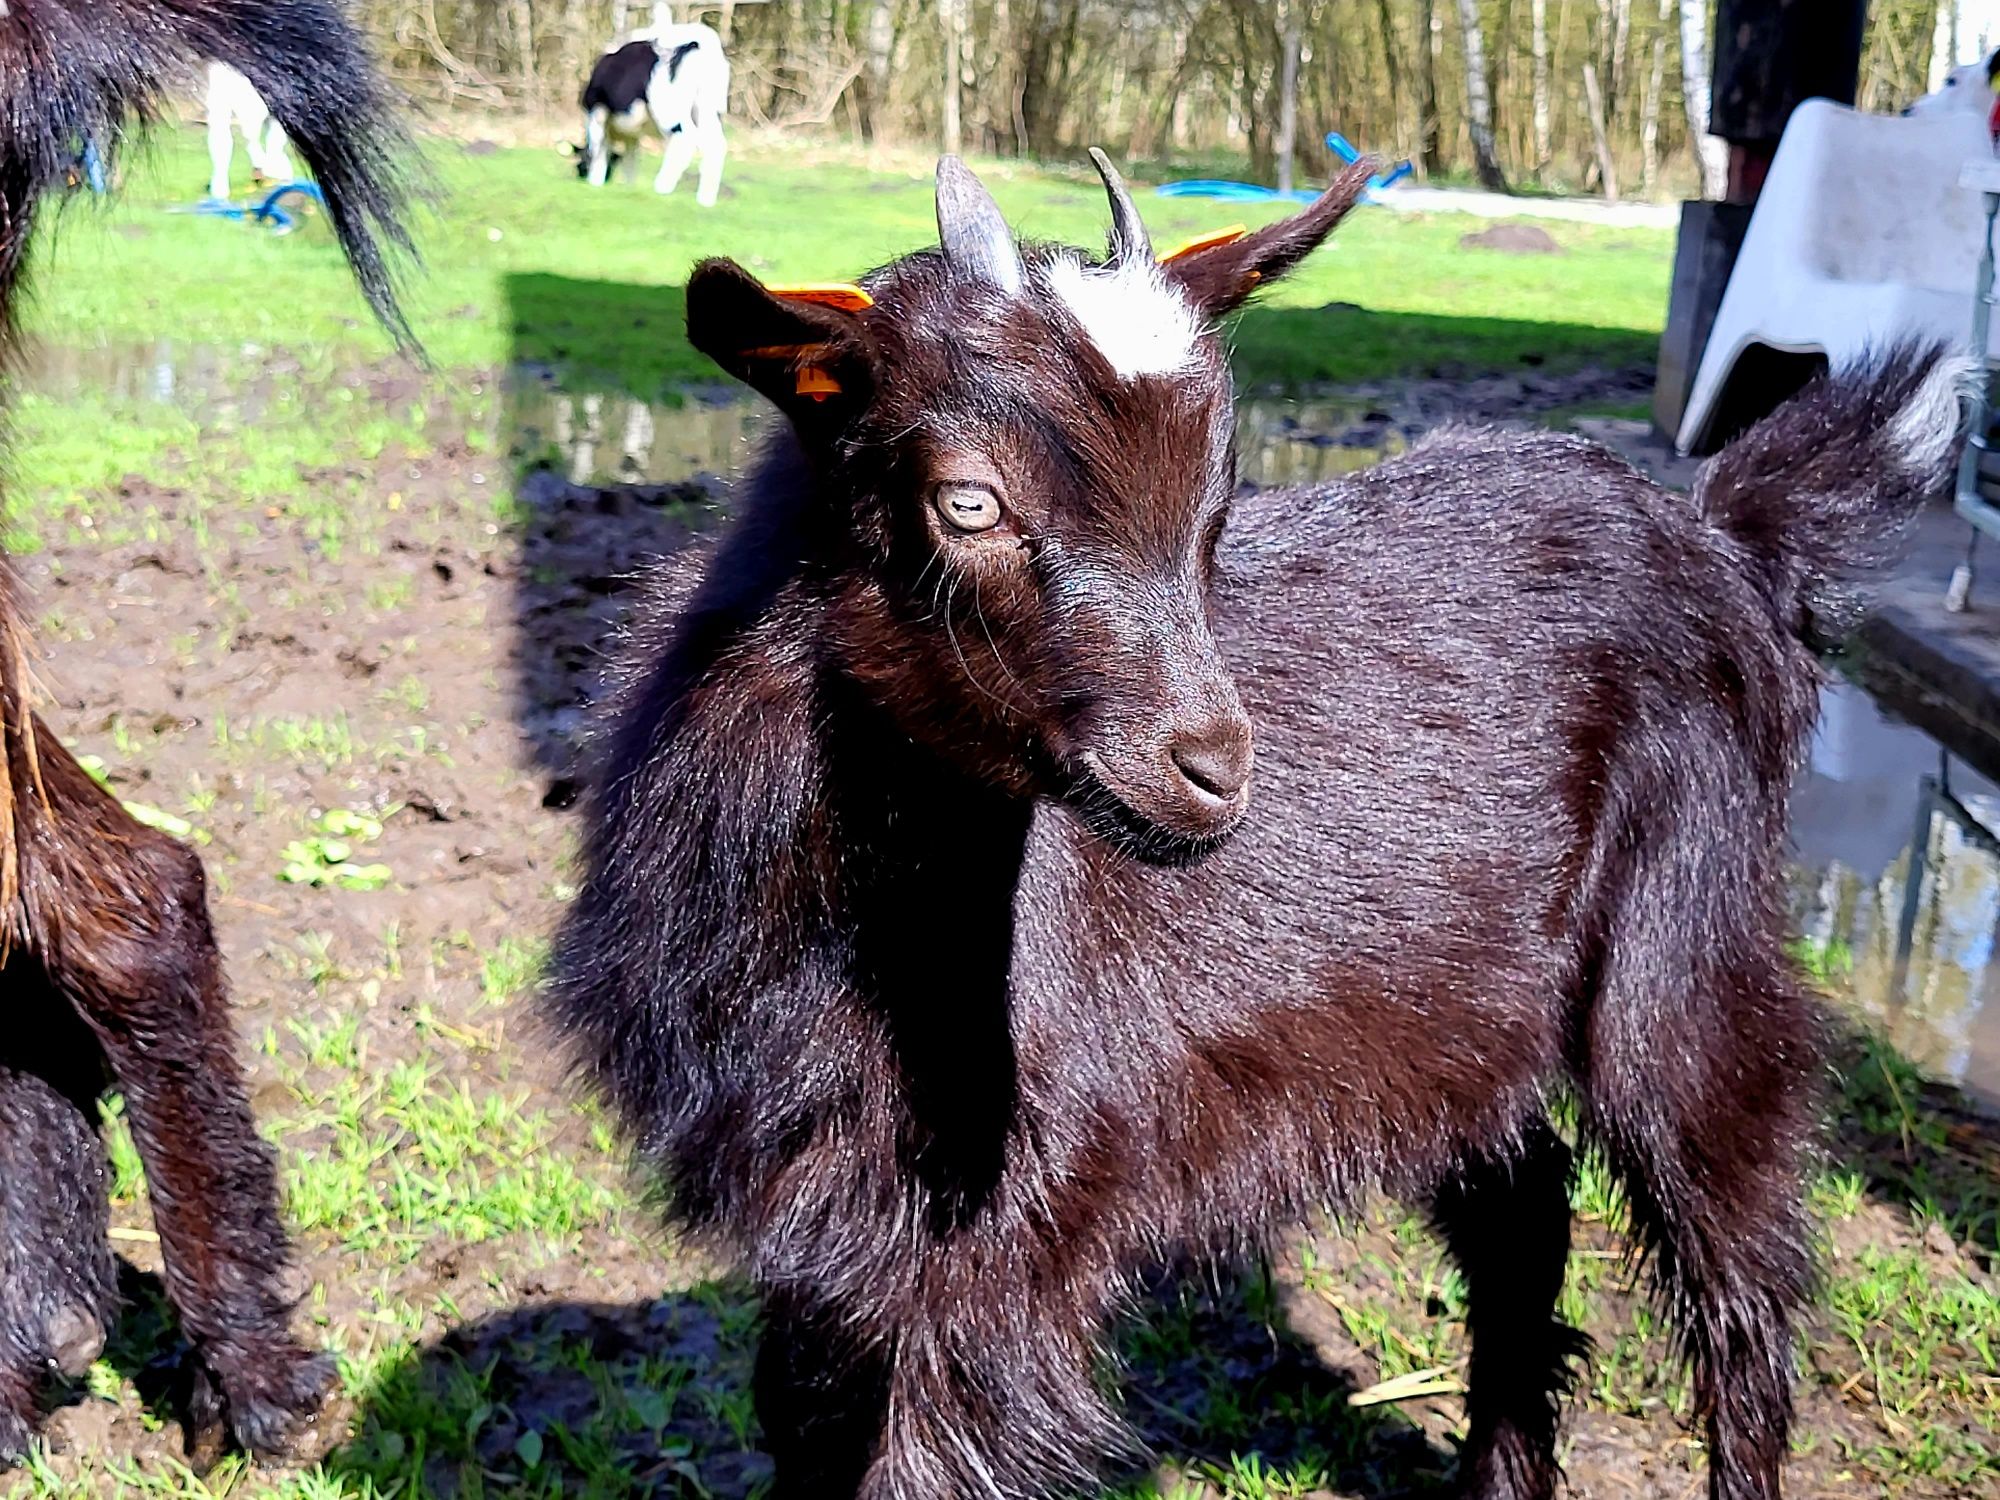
(325, 857)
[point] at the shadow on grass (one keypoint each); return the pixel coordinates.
(562, 1399)
(614, 338)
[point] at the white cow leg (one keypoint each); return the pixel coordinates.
(594, 143)
(680, 151)
(220, 149)
(713, 149)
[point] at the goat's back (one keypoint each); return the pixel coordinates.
(1466, 669)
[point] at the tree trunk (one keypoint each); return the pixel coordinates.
(878, 45)
(948, 21)
(1288, 98)
(1428, 143)
(1545, 148)
(1619, 60)
(1944, 43)
(1392, 62)
(1710, 153)
(1649, 118)
(1607, 169)
(1479, 99)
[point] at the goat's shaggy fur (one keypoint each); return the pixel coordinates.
(941, 999)
(106, 951)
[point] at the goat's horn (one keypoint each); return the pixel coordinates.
(1129, 240)
(976, 239)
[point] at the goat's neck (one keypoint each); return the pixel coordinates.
(927, 884)
(915, 860)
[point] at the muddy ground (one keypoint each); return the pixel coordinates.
(511, 1321)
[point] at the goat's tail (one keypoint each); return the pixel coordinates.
(1827, 486)
(75, 73)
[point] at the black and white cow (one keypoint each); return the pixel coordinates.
(673, 76)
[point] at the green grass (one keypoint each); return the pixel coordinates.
(522, 262)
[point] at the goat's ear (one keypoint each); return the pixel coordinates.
(809, 353)
(1218, 275)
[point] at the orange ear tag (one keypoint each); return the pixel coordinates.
(1202, 242)
(816, 385)
(842, 295)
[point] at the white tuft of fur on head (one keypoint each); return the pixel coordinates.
(1141, 325)
(1923, 435)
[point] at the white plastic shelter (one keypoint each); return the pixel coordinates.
(1864, 233)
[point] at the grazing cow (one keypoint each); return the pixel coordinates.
(1016, 860)
(107, 959)
(677, 79)
(234, 104)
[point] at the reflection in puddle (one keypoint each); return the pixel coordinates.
(1921, 959)
(604, 439)
(597, 439)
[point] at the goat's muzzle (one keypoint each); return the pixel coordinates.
(1174, 800)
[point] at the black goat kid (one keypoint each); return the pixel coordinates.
(945, 955)
(109, 964)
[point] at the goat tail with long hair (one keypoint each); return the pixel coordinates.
(80, 73)
(1828, 485)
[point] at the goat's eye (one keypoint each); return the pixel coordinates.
(968, 507)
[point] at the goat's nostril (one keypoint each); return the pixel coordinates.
(1217, 763)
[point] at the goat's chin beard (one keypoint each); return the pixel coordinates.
(1129, 831)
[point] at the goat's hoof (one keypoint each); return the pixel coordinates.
(75, 1339)
(274, 1409)
(17, 1430)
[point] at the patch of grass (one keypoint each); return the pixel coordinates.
(790, 214)
(395, 1160)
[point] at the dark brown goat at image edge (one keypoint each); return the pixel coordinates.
(1016, 863)
(110, 963)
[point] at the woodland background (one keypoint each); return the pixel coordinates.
(1597, 96)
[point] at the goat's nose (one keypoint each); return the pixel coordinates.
(1215, 758)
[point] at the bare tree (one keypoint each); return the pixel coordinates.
(1944, 42)
(1607, 165)
(1649, 114)
(1545, 149)
(1288, 95)
(1479, 99)
(1428, 132)
(951, 23)
(1710, 152)
(878, 45)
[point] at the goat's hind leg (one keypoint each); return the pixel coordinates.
(1707, 1107)
(58, 1284)
(1506, 1223)
(129, 944)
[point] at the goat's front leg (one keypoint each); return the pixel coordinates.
(58, 1286)
(127, 940)
(822, 1396)
(975, 1374)
(1506, 1223)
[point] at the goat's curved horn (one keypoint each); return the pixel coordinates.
(976, 239)
(1129, 240)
